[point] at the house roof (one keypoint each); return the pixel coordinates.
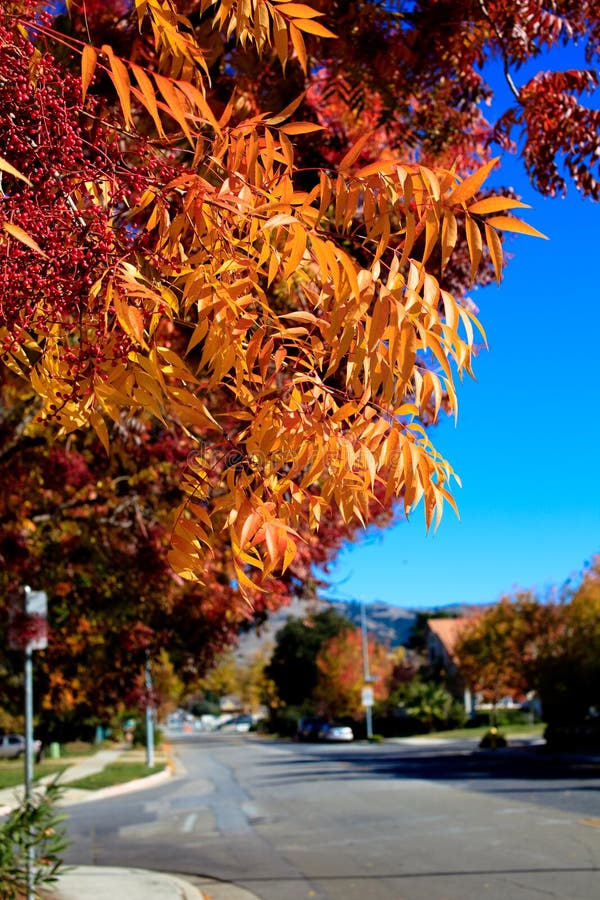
(448, 632)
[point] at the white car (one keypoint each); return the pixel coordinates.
(336, 733)
(13, 745)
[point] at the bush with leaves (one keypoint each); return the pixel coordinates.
(35, 829)
(433, 705)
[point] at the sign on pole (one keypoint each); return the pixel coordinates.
(36, 611)
(367, 697)
(28, 620)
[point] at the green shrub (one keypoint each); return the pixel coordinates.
(140, 736)
(33, 825)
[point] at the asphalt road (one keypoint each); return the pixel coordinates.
(394, 821)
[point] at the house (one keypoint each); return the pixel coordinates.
(442, 638)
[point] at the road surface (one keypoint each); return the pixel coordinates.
(392, 821)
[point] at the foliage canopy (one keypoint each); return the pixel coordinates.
(218, 229)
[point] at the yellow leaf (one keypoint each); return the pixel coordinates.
(299, 47)
(354, 152)
(120, 79)
(6, 167)
(509, 223)
(23, 237)
(314, 28)
(289, 110)
(147, 96)
(495, 248)
(407, 351)
(496, 204)
(475, 244)
(174, 101)
(449, 236)
(469, 187)
(89, 59)
(99, 425)
(280, 38)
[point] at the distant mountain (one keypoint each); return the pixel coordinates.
(391, 625)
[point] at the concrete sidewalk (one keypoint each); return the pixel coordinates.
(104, 883)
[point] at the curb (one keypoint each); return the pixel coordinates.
(75, 796)
(115, 790)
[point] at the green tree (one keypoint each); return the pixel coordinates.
(429, 703)
(293, 667)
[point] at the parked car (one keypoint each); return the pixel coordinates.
(239, 724)
(332, 732)
(13, 745)
(309, 727)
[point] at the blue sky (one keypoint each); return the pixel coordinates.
(527, 442)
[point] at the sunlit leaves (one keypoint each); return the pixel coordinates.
(301, 337)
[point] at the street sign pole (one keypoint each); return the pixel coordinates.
(149, 717)
(35, 621)
(366, 672)
(29, 761)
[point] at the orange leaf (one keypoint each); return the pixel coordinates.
(354, 152)
(147, 96)
(496, 204)
(313, 28)
(22, 236)
(89, 59)
(299, 47)
(301, 128)
(6, 167)
(509, 223)
(469, 187)
(298, 10)
(475, 245)
(495, 248)
(120, 79)
(289, 110)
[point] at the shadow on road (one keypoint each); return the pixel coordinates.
(532, 767)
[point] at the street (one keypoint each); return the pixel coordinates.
(408, 821)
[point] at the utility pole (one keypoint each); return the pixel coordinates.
(367, 692)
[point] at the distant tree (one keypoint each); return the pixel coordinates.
(293, 667)
(568, 665)
(341, 674)
(499, 651)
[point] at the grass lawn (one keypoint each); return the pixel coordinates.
(12, 774)
(115, 773)
(536, 730)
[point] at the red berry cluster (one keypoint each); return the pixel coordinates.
(82, 180)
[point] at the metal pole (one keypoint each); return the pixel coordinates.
(366, 672)
(29, 761)
(149, 718)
